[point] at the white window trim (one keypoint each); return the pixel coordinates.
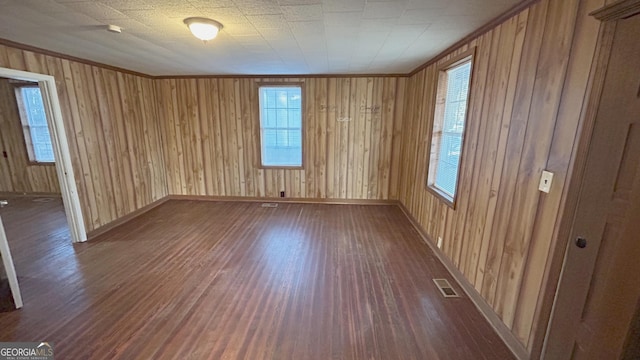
(438, 119)
(260, 128)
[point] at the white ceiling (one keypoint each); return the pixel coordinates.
(259, 36)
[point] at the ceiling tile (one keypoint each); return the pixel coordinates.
(302, 12)
(225, 15)
(179, 12)
(127, 4)
(240, 30)
(207, 3)
(431, 4)
(420, 16)
(308, 27)
(343, 5)
(268, 21)
(96, 10)
(299, 2)
(260, 9)
(46, 6)
(350, 19)
(259, 36)
(382, 10)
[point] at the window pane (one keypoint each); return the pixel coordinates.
(282, 118)
(36, 120)
(281, 99)
(34, 106)
(452, 125)
(446, 174)
(280, 124)
(295, 118)
(271, 99)
(295, 101)
(270, 118)
(40, 134)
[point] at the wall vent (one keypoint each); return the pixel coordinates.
(270, 205)
(445, 288)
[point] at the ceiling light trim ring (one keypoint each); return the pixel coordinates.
(203, 28)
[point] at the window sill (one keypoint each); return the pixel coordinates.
(444, 197)
(34, 163)
(280, 167)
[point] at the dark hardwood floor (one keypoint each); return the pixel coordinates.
(223, 280)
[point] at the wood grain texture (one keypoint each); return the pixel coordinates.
(111, 123)
(184, 280)
(210, 128)
(530, 80)
(136, 140)
(587, 322)
(17, 173)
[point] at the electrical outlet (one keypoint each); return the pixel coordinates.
(439, 242)
(545, 181)
(281, 193)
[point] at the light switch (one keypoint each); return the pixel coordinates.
(545, 181)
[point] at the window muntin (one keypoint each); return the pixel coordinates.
(448, 129)
(34, 124)
(281, 125)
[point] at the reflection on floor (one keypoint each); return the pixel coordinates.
(236, 280)
(36, 228)
(6, 299)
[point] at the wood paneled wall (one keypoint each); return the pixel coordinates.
(112, 127)
(530, 82)
(211, 128)
(17, 173)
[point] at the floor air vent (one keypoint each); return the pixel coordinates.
(445, 288)
(43, 200)
(270, 205)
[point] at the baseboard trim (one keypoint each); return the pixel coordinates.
(104, 228)
(130, 216)
(494, 320)
(33, 194)
(285, 200)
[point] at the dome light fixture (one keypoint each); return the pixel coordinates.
(203, 28)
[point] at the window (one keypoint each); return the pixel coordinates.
(281, 125)
(448, 127)
(34, 124)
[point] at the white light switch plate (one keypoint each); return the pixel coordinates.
(545, 181)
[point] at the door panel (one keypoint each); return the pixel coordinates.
(589, 319)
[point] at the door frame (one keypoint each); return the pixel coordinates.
(608, 16)
(9, 268)
(64, 167)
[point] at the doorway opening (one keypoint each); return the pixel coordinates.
(46, 86)
(38, 195)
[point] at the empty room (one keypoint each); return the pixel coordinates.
(320, 179)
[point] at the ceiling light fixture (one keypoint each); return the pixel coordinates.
(203, 28)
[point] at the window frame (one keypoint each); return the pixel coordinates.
(26, 126)
(438, 108)
(299, 84)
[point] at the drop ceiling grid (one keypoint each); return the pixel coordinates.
(259, 36)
